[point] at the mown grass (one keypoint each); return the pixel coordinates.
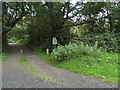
(106, 67)
(3, 57)
(26, 65)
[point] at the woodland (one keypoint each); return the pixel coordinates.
(87, 34)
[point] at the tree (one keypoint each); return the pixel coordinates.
(55, 19)
(11, 14)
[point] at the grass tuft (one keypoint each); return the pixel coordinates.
(3, 57)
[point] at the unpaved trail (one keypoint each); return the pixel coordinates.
(14, 76)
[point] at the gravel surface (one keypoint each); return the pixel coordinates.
(14, 76)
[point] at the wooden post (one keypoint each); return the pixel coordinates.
(21, 51)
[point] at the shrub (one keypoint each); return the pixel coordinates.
(69, 51)
(108, 41)
(61, 53)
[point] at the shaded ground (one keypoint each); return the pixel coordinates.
(14, 76)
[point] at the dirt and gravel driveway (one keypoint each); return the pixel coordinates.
(14, 76)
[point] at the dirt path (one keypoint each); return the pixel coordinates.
(15, 77)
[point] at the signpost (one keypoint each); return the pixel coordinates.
(54, 41)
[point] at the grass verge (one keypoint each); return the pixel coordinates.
(3, 57)
(25, 64)
(106, 68)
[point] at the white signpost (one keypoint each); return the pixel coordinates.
(54, 41)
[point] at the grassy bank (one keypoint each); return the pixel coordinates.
(3, 57)
(106, 68)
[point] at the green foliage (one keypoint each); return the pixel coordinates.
(23, 59)
(61, 53)
(3, 57)
(64, 36)
(69, 51)
(40, 22)
(48, 23)
(19, 33)
(12, 13)
(104, 67)
(89, 7)
(108, 41)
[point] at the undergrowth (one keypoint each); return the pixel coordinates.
(87, 60)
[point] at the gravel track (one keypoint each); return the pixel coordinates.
(13, 76)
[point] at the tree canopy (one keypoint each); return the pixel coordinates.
(39, 22)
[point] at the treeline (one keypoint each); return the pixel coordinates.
(37, 23)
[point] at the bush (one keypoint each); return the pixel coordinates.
(108, 41)
(61, 53)
(69, 51)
